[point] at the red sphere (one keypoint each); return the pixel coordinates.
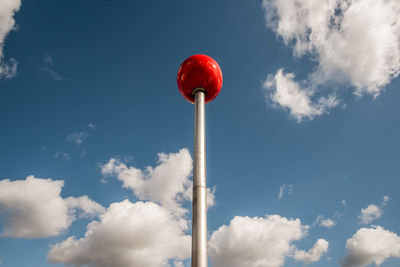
(199, 71)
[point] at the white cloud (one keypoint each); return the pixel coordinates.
(344, 202)
(327, 223)
(281, 90)
(285, 188)
(354, 43)
(314, 254)
(372, 211)
(385, 200)
(33, 207)
(167, 184)
(338, 214)
(7, 10)
(258, 242)
(127, 234)
(371, 245)
(321, 221)
(155, 234)
(148, 234)
(87, 206)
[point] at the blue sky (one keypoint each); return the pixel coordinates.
(302, 142)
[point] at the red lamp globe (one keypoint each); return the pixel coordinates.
(199, 71)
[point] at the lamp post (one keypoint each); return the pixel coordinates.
(199, 81)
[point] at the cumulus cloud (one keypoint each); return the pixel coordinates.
(372, 211)
(371, 245)
(355, 44)
(281, 90)
(167, 184)
(260, 242)
(321, 221)
(288, 188)
(152, 233)
(314, 254)
(8, 9)
(33, 207)
(127, 234)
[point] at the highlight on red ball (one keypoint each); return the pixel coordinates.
(199, 71)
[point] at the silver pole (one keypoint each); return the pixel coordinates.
(199, 219)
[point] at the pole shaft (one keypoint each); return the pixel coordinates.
(199, 220)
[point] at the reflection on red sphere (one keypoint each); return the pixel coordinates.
(199, 71)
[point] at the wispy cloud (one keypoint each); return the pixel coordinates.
(385, 200)
(79, 138)
(91, 125)
(338, 214)
(47, 67)
(7, 23)
(285, 188)
(355, 45)
(63, 155)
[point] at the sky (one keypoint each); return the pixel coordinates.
(302, 148)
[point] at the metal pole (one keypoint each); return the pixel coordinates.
(199, 219)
